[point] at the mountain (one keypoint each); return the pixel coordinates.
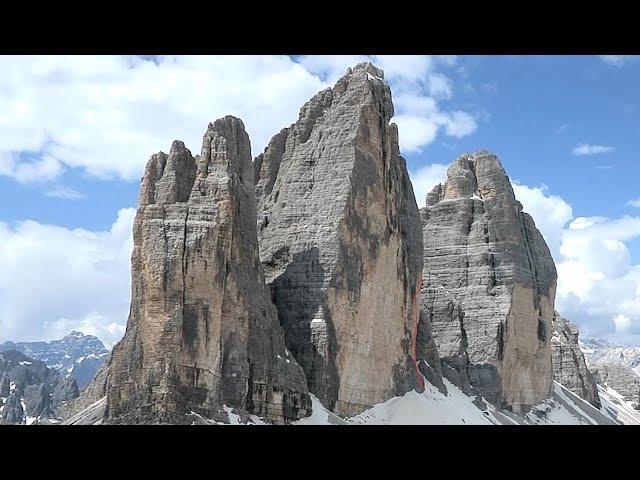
(616, 367)
(569, 365)
(75, 356)
(600, 351)
(337, 220)
(308, 288)
(30, 392)
(203, 334)
(488, 286)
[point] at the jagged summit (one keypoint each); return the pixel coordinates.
(489, 285)
(337, 221)
(202, 335)
(309, 278)
(76, 356)
(466, 178)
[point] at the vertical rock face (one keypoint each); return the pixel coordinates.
(569, 366)
(202, 332)
(488, 285)
(341, 245)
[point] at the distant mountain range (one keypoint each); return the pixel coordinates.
(76, 356)
(614, 366)
(598, 351)
(32, 393)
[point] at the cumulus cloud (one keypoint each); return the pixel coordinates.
(55, 280)
(550, 212)
(615, 60)
(108, 114)
(586, 149)
(598, 283)
(634, 203)
(29, 170)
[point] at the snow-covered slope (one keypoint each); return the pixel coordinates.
(616, 368)
(434, 408)
(616, 407)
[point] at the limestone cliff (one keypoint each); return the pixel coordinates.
(340, 241)
(569, 366)
(488, 286)
(202, 331)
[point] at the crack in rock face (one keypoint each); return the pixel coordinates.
(340, 240)
(489, 286)
(202, 332)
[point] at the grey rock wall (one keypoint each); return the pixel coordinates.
(341, 245)
(488, 286)
(569, 366)
(202, 331)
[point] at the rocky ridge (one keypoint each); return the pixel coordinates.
(377, 306)
(614, 366)
(203, 335)
(569, 366)
(30, 392)
(488, 286)
(76, 356)
(337, 220)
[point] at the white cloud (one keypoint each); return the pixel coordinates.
(622, 322)
(550, 212)
(598, 284)
(30, 170)
(55, 280)
(65, 193)
(634, 203)
(586, 149)
(425, 178)
(562, 128)
(459, 124)
(415, 131)
(331, 67)
(108, 114)
(615, 60)
(440, 86)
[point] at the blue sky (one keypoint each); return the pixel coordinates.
(75, 133)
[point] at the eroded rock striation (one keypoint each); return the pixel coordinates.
(202, 332)
(569, 366)
(341, 245)
(488, 286)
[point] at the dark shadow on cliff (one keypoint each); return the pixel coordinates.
(298, 296)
